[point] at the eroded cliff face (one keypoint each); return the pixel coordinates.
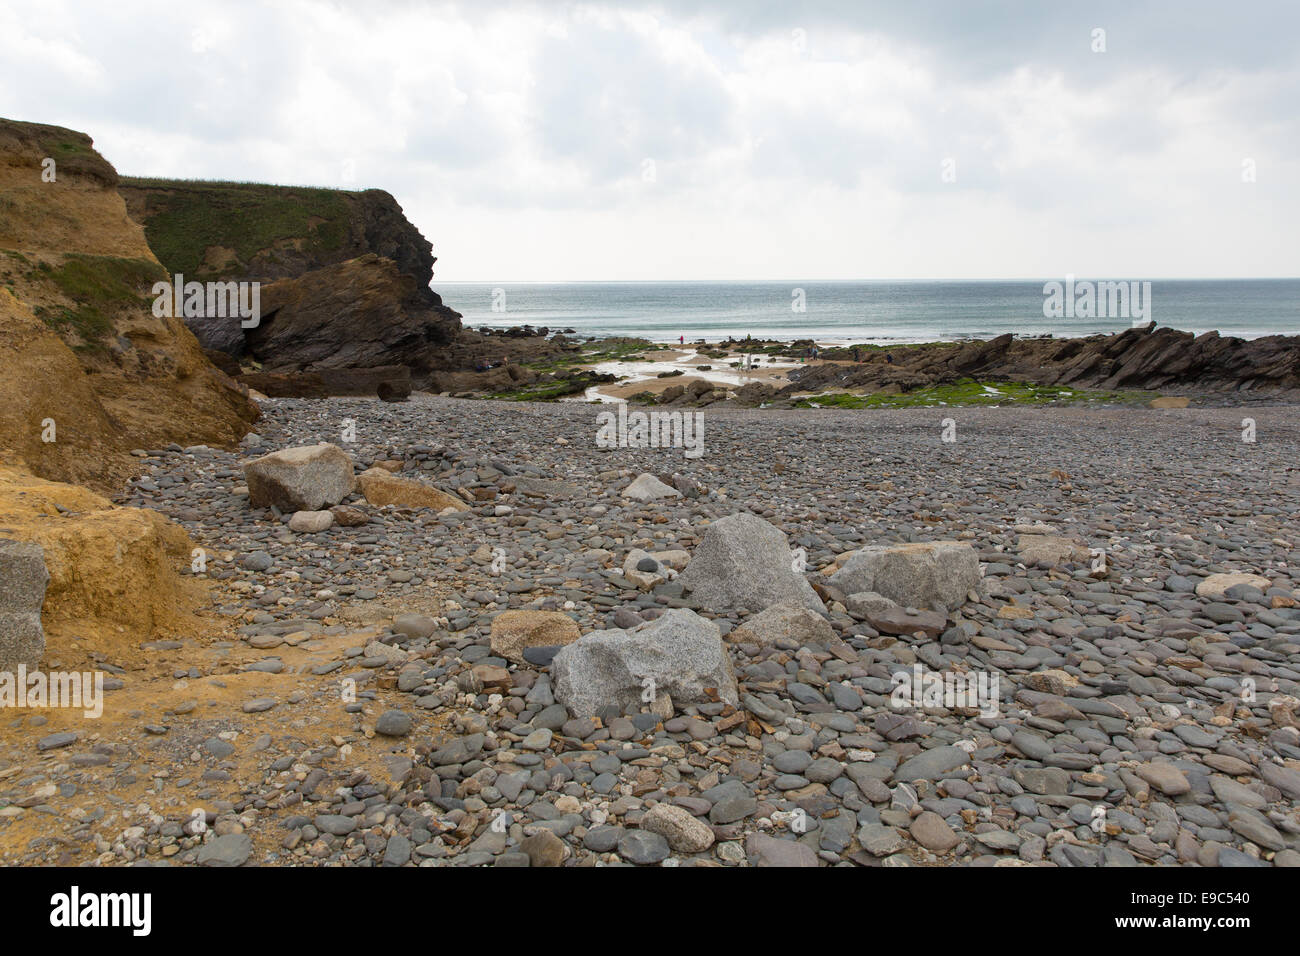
(89, 372)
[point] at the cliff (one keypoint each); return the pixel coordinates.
(251, 231)
(345, 277)
(90, 372)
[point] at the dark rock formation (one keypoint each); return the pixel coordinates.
(360, 313)
(392, 391)
(345, 284)
(1142, 358)
(329, 381)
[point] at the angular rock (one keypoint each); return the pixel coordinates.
(544, 848)
(647, 487)
(643, 570)
(306, 478)
(933, 575)
(549, 488)
(897, 620)
(381, 488)
(864, 603)
(643, 847)
(513, 632)
(347, 516)
(744, 562)
(784, 622)
(1051, 549)
(678, 653)
(232, 849)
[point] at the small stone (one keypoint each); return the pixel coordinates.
(393, 723)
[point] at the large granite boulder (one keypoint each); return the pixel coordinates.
(934, 575)
(306, 478)
(23, 578)
(744, 562)
(679, 653)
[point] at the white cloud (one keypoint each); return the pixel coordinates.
(516, 135)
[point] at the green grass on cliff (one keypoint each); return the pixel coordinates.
(970, 392)
(98, 286)
(184, 219)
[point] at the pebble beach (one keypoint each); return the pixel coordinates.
(388, 686)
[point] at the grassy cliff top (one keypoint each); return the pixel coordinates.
(185, 220)
(73, 152)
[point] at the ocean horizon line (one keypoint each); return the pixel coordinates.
(787, 281)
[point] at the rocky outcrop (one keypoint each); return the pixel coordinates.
(345, 276)
(345, 285)
(90, 372)
(322, 383)
(1141, 358)
(357, 314)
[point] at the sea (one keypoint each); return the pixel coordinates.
(881, 312)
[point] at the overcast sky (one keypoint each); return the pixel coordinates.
(754, 139)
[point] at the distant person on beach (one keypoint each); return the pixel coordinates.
(681, 340)
(889, 357)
